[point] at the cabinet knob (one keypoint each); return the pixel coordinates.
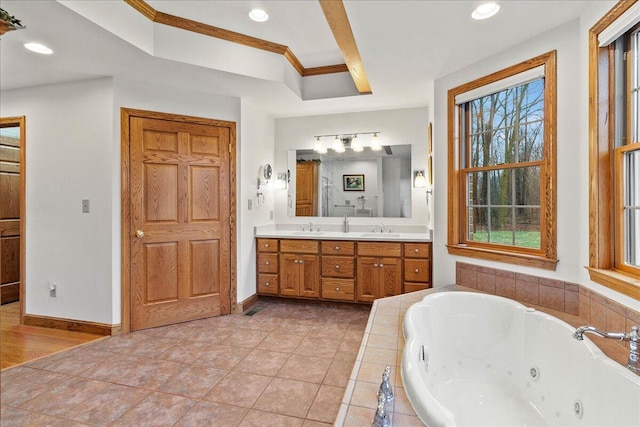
(381, 265)
(266, 245)
(266, 284)
(337, 248)
(266, 263)
(375, 265)
(337, 289)
(416, 250)
(416, 271)
(337, 267)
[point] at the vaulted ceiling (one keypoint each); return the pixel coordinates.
(404, 47)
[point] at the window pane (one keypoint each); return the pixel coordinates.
(478, 225)
(631, 191)
(527, 229)
(527, 186)
(477, 189)
(506, 127)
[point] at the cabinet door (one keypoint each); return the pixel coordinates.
(289, 274)
(367, 283)
(309, 285)
(390, 279)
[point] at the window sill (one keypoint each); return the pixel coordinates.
(618, 281)
(502, 256)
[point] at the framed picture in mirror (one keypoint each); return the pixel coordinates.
(353, 182)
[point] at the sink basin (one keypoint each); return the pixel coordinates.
(308, 233)
(380, 235)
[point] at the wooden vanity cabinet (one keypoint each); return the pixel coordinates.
(417, 266)
(350, 271)
(379, 270)
(299, 268)
(338, 270)
(267, 266)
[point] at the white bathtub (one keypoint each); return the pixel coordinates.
(473, 359)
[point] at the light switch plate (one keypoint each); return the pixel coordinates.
(85, 205)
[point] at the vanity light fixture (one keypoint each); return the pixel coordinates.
(38, 48)
(419, 180)
(346, 140)
(485, 10)
(338, 145)
(258, 15)
(356, 145)
(376, 145)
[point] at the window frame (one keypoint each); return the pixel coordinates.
(457, 243)
(604, 238)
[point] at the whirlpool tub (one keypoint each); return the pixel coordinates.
(472, 359)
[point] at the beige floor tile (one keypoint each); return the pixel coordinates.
(262, 362)
(406, 420)
(305, 368)
(319, 347)
(61, 398)
(238, 388)
(244, 338)
(193, 382)
(158, 409)
(338, 373)
(284, 343)
(365, 395)
(326, 404)
(382, 341)
(372, 373)
(257, 418)
(359, 417)
(108, 405)
(223, 357)
(186, 351)
(210, 413)
(380, 355)
(288, 397)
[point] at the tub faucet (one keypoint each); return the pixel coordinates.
(633, 337)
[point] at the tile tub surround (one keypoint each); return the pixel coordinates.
(561, 297)
(383, 343)
(286, 365)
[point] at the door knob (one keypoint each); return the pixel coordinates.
(139, 234)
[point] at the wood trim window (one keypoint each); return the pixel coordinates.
(614, 154)
(502, 165)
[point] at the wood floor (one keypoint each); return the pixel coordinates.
(20, 343)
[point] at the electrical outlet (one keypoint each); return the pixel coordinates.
(85, 205)
(250, 204)
(53, 288)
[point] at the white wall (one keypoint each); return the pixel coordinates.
(404, 126)
(73, 153)
(255, 152)
(69, 144)
(572, 156)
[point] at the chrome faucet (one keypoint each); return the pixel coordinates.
(633, 337)
(310, 226)
(382, 227)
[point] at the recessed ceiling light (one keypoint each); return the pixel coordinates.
(486, 10)
(258, 15)
(38, 48)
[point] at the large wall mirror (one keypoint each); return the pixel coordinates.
(355, 184)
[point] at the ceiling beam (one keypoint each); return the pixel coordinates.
(336, 16)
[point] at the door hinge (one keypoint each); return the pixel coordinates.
(229, 148)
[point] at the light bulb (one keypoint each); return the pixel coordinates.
(375, 143)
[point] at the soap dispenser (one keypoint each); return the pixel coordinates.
(345, 225)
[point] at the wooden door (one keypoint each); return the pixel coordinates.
(289, 274)
(306, 188)
(180, 220)
(390, 279)
(309, 277)
(367, 283)
(10, 207)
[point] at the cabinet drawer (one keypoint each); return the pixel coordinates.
(417, 250)
(267, 245)
(412, 287)
(379, 249)
(299, 246)
(342, 289)
(338, 248)
(338, 266)
(268, 284)
(267, 263)
(416, 270)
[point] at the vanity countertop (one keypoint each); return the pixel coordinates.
(328, 232)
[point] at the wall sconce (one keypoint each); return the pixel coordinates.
(419, 180)
(283, 181)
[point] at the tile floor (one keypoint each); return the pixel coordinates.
(287, 365)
